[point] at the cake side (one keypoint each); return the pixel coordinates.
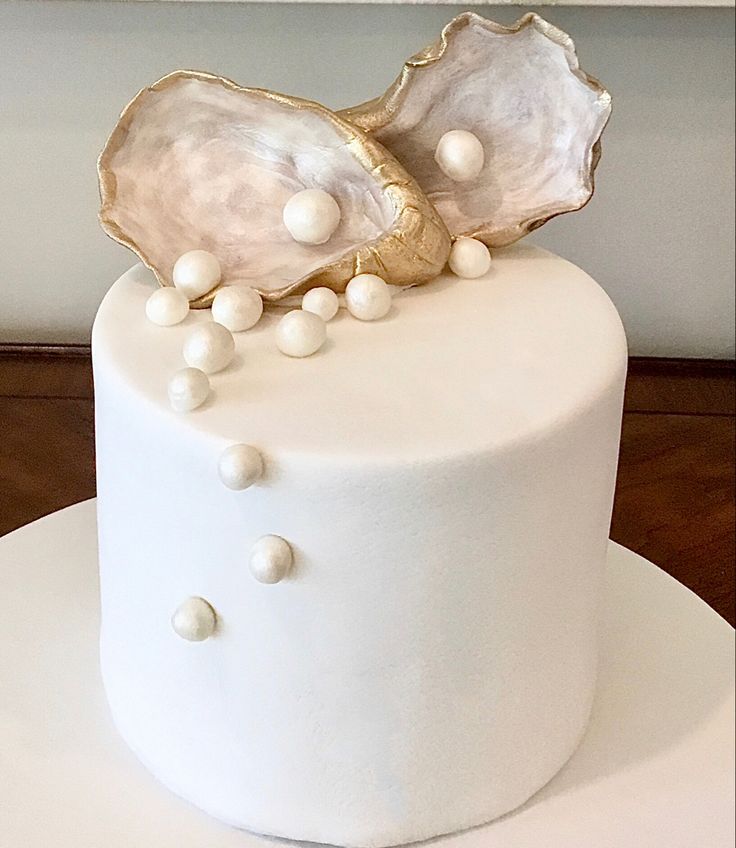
(445, 482)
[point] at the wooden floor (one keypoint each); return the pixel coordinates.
(674, 499)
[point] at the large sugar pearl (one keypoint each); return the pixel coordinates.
(469, 258)
(196, 273)
(237, 307)
(460, 155)
(311, 216)
(240, 466)
(188, 389)
(300, 333)
(209, 347)
(167, 306)
(194, 620)
(368, 297)
(270, 559)
(322, 301)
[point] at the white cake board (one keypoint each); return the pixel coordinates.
(655, 768)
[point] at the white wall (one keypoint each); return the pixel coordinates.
(658, 235)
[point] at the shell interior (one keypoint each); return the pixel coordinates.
(198, 162)
(521, 92)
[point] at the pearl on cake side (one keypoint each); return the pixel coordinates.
(270, 559)
(196, 272)
(167, 306)
(460, 155)
(311, 216)
(209, 347)
(240, 466)
(194, 620)
(368, 297)
(188, 389)
(237, 307)
(322, 301)
(300, 333)
(469, 258)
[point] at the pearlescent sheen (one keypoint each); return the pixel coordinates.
(197, 160)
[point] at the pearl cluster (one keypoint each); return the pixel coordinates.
(302, 332)
(311, 217)
(271, 560)
(460, 156)
(210, 347)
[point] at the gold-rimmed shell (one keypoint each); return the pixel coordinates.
(520, 90)
(197, 161)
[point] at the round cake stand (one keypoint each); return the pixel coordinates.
(654, 769)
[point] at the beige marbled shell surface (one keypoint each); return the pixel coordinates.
(521, 91)
(199, 162)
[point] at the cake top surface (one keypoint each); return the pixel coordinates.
(457, 367)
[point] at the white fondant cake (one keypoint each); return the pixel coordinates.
(442, 480)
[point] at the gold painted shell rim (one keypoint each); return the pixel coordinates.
(406, 197)
(375, 113)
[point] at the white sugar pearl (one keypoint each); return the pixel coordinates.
(209, 347)
(188, 389)
(194, 620)
(240, 466)
(300, 333)
(460, 155)
(322, 302)
(368, 297)
(196, 273)
(311, 216)
(469, 258)
(270, 559)
(237, 307)
(167, 306)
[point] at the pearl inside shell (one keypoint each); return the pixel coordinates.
(469, 258)
(167, 306)
(240, 466)
(194, 620)
(237, 307)
(209, 347)
(196, 272)
(322, 301)
(368, 297)
(311, 216)
(300, 333)
(460, 155)
(188, 389)
(270, 559)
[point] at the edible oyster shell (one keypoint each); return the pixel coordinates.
(196, 161)
(520, 90)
